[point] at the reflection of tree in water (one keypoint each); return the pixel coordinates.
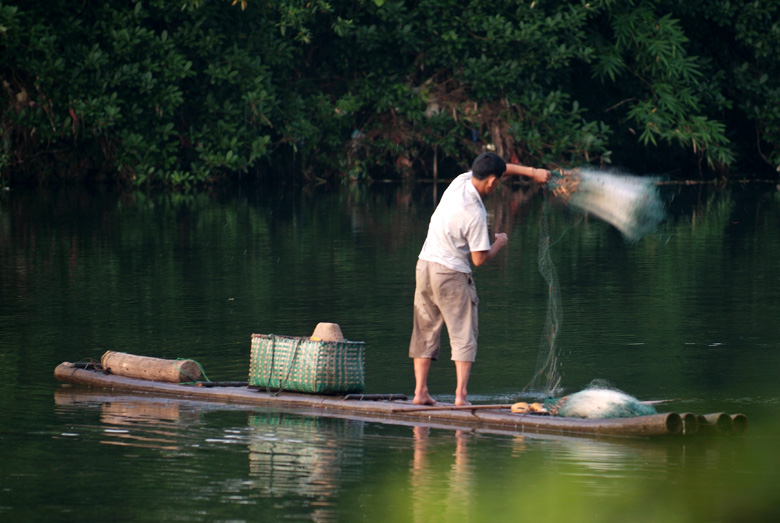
(297, 456)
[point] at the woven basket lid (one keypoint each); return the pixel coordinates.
(328, 332)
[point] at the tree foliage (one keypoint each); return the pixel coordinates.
(180, 93)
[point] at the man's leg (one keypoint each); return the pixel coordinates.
(426, 333)
(462, 371)
(421, 368)
(461, 316)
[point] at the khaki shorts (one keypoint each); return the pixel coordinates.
(444, 296)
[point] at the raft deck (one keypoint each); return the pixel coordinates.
(404, 411)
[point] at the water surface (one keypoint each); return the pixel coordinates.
(688, 315)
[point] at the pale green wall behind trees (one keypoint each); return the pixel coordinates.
(186, 92)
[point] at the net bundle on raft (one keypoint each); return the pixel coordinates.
(598, 402)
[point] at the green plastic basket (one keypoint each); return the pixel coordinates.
(299, 364)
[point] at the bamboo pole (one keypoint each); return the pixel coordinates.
(739, 424)
(668, 424)
(690, 423)
(376, 397)
(452, 407)
(222, 384)
(715, 423)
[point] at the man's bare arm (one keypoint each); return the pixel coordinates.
(538, 175)
(480, 257)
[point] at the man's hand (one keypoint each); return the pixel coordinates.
(501, 240)
(542, 175)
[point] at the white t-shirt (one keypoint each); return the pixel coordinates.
(458, 226)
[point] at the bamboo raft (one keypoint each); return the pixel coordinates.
(395, 408)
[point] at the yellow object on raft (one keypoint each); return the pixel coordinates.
(523, 408)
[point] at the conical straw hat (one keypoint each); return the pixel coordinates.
(327, 332)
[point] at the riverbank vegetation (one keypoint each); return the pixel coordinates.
(180, 93)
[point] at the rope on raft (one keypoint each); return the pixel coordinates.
(193, 379)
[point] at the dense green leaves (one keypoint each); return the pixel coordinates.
(185, 92)
(142, 91)
(648, 51)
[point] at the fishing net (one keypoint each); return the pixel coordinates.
(547, 378)
(633, 205)
(599, 400)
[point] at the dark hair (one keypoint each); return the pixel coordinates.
(487, 164)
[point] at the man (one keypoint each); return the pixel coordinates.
(445, 291)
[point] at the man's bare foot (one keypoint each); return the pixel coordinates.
(424, 399)
(462, 403)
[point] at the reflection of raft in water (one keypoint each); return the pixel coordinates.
(397, 409)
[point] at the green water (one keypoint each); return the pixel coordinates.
(690, 314)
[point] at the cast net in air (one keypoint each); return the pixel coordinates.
(632, 204)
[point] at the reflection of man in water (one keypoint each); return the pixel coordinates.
(437, 496)
(445, 292)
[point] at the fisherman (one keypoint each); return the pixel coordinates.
(445, 292)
